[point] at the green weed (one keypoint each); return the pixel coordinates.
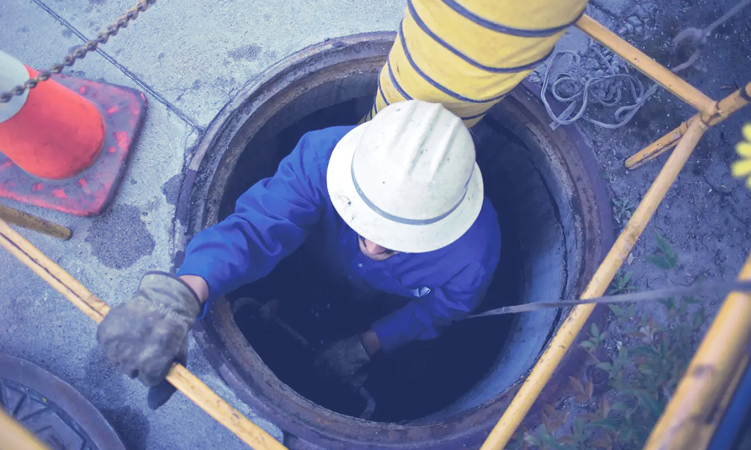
(622, 210)
(621, 283)
(642, 372)
(665, 257)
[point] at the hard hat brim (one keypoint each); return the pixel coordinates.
(383, 231)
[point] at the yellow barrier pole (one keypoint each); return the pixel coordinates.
(576, 319)
(651, 68)
(13, 436)
(690, 418)
(35, 223)
(96, 309)
(726, 107)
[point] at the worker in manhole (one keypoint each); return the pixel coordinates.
(397, 206)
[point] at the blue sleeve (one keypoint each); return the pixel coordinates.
(271, 220)
(424, 318)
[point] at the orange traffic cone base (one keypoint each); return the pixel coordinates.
(89, 192)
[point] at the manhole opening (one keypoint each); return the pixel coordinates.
(423, 378)
(553, 211)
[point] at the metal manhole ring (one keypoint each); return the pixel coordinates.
(51, 409)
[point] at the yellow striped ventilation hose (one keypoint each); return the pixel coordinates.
(742, 168)
(468, 54)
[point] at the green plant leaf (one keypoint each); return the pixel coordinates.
(663, 244)
(591, 417)
(595, 330)
(549, 409)
(654, 408)
(589, 345)
(531, 440)
(659, 261)
(608, 424)
(604, 407)
(602, 443)
(545, 420)
(645, 350)
(577, 386)
(665, 258)
(699, 318)
(618, 311)
(619, 406)
(669, 303)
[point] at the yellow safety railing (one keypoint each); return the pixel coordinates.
(573, 324)
(725, 108)
(715, 369)
(460, 55)
(691, 417)
(13, 436)
(179, 376)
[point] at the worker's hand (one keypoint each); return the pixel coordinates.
(143, 336)
(341, 359)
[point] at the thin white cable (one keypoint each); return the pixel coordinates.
(586, 91)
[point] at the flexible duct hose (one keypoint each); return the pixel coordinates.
(468, 54)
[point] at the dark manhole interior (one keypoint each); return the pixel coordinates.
(300, 295)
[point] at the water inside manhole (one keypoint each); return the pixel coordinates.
(421, 379)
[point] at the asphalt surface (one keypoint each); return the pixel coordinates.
(189, 58)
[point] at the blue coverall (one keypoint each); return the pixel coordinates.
(276, 215)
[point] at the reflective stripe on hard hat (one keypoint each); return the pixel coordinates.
(408, 179)
(12, 74)
(403, 219)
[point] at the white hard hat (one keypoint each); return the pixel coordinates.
(407, 180)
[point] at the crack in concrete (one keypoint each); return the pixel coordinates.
(745, 222)
(142, 84)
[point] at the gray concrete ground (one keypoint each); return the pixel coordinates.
(191, 57)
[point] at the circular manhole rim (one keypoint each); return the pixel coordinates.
(293, 413)
(64, 396)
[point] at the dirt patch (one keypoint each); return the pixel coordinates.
(119, 237)
(171, 188)
(705, 216)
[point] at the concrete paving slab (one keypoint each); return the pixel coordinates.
(197, 54)
(108, 254)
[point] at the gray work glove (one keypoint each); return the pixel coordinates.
(342, 359)
(143, 336)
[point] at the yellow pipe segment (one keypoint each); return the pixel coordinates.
(691, 417)
(725, 108)
(179, 376)
(573, 324)
(468, 54)
(13, 436)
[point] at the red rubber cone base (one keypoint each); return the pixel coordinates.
(89, 192)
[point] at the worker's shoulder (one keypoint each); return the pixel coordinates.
(322, 142)
(485, 231)
(481, 244)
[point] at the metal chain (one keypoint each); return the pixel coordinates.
(81, 51)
